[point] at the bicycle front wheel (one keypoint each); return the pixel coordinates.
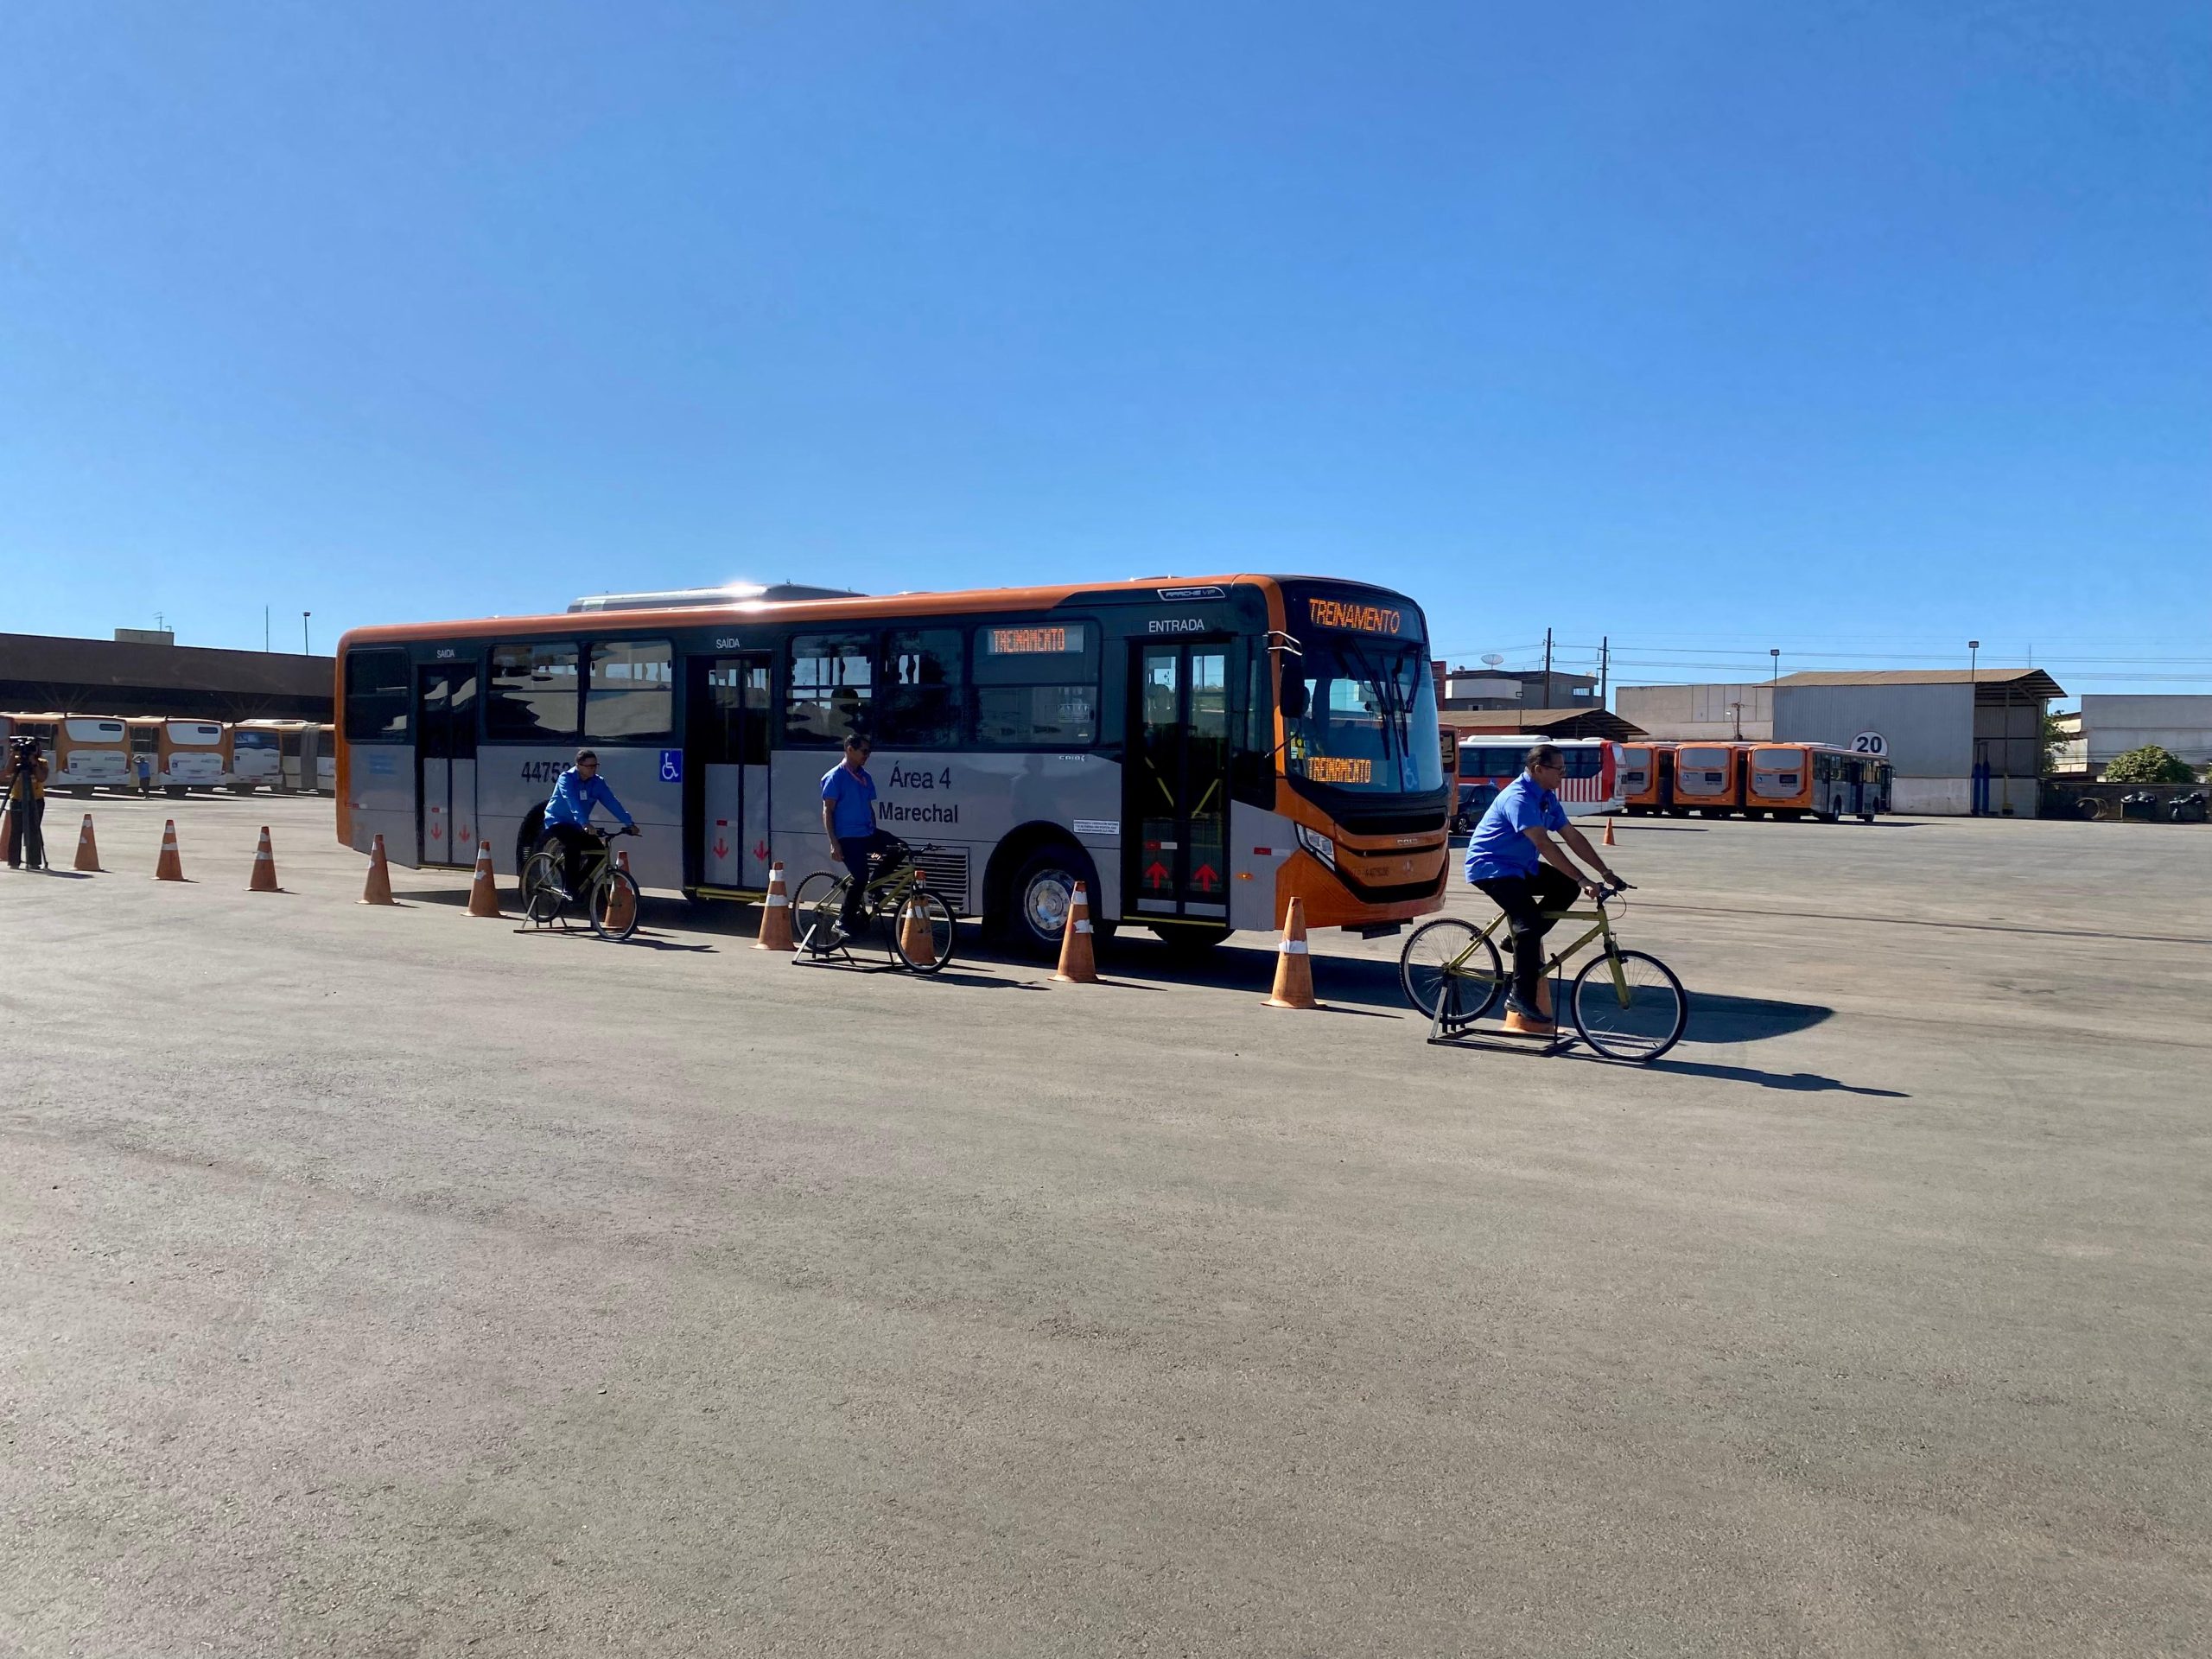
(540, 889)
(614, 906)
(814, 910)
(1449, 955)
(1629, 1006)
(921, 933)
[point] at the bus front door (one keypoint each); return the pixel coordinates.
(1175, 805)
(725, 774)
(445, 763)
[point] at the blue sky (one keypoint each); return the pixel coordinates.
(1856, 329)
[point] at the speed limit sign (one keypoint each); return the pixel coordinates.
(1870, 743)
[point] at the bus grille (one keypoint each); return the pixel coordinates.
(945, 870)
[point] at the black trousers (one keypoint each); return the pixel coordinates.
(860, 853)
(27, 832)
(1524, 899)
(574, 843)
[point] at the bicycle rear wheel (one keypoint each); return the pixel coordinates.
(1425, 970)
(1629, 1006)
(540, 889)
(815, 908)
(921, 933)
(614, 906)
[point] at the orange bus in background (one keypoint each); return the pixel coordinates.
(1709, 778)
(89, 754)
(187, 754)
(1648, 778)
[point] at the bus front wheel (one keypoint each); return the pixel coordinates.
(1033, 916)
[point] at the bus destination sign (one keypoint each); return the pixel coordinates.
(1028, 642)
(1339, 769)
(1358, 619)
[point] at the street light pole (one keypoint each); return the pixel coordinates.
(304, 652)
(1973, 650)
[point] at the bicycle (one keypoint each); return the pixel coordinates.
(921, 923)
(1627, 1004)
(609, 895)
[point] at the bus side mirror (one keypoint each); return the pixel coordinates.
(1293, 696)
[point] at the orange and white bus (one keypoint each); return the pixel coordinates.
(1646, 777)
(1196, 750)
(1820, 780)
(1490, 762)
(90, 753)
(1709, 778)
(187, 754)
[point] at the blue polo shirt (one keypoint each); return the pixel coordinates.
(1500, 845)
(853, 813)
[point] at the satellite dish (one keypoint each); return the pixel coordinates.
(1492, 658)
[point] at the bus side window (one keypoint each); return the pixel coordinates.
(919, 705)
(376, 700)
(832, 688)
(632, 697)
(1036, 686)
(533, 697)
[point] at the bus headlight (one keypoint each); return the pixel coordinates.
(1317, 844)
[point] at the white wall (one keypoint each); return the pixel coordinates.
(2115, 724)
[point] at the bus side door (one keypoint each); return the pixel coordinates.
(726, 772)
(445, 763)
(1175, 782)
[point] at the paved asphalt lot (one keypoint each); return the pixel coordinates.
(385, 1282)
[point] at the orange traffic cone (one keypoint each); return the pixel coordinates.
(1609, 830)
(917, 938)
(775, 914)
(621, 901)
(1294, 964)
(377, 890)
(88, 851)
(264, 866)
(1078, 965)
(484, 890)
(168, 866)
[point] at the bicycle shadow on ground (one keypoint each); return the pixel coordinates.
(1805, 1082)
(1141, 963)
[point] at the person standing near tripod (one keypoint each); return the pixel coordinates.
(26, 803)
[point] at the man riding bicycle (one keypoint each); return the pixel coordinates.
(1507, 857)
(568, 817)
(849, 819)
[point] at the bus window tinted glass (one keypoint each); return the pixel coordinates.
(632, 697)
(919, 707)
(1036, 685)
(376, 695)
(533, 695)
(832, 688)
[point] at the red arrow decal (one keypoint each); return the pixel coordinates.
(1204, 878)
(1155, 875)
(760, 851)
(437, 830)
(721, 849)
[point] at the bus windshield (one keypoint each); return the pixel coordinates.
(1368, 719)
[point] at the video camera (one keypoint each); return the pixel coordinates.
(23, 752)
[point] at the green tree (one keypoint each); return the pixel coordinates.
(2149, 765)
(2054, 738)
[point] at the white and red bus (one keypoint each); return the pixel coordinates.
(1197, 751)
(1488, 763)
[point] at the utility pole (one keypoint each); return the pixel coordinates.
(1547, 668)
(1605, 669)
(264, 629)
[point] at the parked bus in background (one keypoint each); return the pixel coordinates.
(1648, 778)
(1196, 752)
(258, 754)
(190, 754)
(1792, 779)
(90, 753)
(1490, 762)
(326, 760)
(1709, 778)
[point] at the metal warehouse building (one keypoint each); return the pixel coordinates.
(1959, 740)
(39, 672)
